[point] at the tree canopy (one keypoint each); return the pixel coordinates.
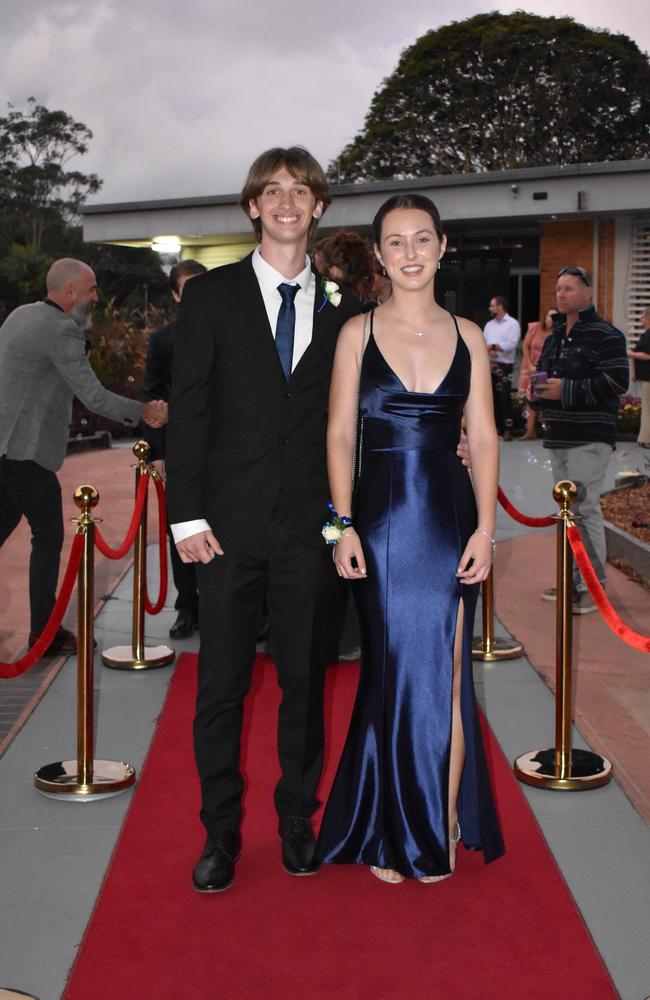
(500, 91)
(38, 191)
(40, 203)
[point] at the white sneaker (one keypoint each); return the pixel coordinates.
(583, 603)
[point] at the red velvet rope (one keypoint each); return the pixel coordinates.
(154, 609)
(120, 552)
(623, 631)
(516, 515)
(9, 670)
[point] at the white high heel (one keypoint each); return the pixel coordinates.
(454, 838)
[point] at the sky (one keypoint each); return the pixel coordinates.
(181, 95)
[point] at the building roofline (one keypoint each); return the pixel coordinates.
(372, 187)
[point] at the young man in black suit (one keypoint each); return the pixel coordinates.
(247, 487)
(156, 384)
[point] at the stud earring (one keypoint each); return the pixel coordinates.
(383, 270)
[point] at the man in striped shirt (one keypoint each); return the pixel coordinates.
(585, 359)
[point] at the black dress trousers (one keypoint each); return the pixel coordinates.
(297, 580)
(28, 489)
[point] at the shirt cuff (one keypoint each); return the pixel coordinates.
(184, 529)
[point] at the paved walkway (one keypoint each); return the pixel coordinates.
(111, 474)
(599, 839)
(611, 679)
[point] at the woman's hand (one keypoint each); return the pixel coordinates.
(478, 551)
(347, 549)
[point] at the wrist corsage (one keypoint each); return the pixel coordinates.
(334, 528)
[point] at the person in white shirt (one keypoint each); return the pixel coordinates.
(502, 334)
(247, 498)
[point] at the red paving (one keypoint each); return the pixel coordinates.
(612, 680)
(111, 474)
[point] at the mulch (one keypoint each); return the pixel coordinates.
(627, 507)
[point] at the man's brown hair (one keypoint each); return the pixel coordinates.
(300, 164)
(187, 267)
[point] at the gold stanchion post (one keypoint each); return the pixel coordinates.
(138, 656)
(488, 646)
(561, 767)
(85, 778)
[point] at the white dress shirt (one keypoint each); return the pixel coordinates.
(506, 332)
(269, 279)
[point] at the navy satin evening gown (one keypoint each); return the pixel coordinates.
(414, 512)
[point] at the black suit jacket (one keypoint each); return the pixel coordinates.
(156, 382)
(239, 432)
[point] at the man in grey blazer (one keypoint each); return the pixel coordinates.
(43, 364)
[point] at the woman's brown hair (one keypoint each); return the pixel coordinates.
(407, 201)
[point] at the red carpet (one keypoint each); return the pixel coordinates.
(507, 931)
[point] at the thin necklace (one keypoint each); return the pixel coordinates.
(416, 333)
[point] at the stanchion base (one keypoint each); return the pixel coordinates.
(588, 770)
(110, 777)
(122, 658)
(502, 649)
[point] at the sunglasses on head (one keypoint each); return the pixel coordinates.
(578, 272)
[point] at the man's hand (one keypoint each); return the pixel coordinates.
(154, 413)
(462, 450)
(549, 390)
(202, 547)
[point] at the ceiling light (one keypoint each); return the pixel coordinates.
(166, 244)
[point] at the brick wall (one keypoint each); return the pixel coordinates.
(605, 295)
(562, 243)
(572, 242)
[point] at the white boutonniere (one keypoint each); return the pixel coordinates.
(331, 293)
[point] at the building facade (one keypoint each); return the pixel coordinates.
(509, 232)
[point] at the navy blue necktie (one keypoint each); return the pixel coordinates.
(286, 326)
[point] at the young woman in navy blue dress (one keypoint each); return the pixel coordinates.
(412, 779)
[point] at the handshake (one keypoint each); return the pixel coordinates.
(154, 413)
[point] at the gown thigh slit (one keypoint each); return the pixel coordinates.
(457, 737)
(414, 512)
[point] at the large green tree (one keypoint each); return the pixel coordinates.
(41, 196)
(499, 91)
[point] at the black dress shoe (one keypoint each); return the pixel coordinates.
(298, 846)
(186, 623)
(215, 869)
(63, 644)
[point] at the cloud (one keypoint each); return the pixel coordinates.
(182, 97)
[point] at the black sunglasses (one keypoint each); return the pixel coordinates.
(578, 272)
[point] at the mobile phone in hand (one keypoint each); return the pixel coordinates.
(536, 379)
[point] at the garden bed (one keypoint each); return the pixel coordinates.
(626, 511)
